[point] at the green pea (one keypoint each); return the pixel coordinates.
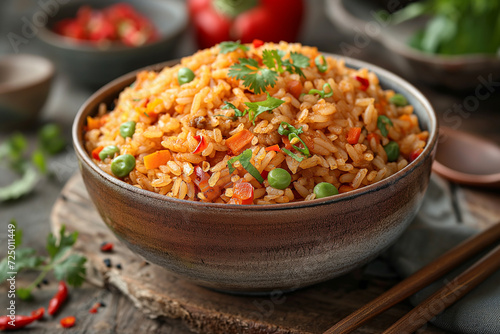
(325, 189)
(108, 151)
(127, 129)
(122, 165)
(398, 100)
(279, 178)
(392, 150)
(185, 75)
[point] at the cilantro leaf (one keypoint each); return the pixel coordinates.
(244, 159)
(226, 47)
(72, 270)
(254, 77)
(297, 62)
(272, 60)
(58, 249)
(26, 258)
(257, 108)
(237, 112)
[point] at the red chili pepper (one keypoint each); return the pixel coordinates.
(68, 322)
(94, 308)
(364, 83)
(59, 298)
(15, 322)
(38, 314)
(107, 247)
(202, 144)
(96, 151)
(217, 21)
(353, 135)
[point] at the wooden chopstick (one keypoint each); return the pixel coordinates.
(447, 295)
(418, 280)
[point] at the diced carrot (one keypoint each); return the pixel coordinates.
(93, 123)
(406, 118)
(295, 87)
(374, 136)
(345, 188)
(156, 159)
(151, 108)
(96, 151)
(353, 135)
(244, 192)
(202, 144)
(415, 154)
(237, 142)
(275, 148)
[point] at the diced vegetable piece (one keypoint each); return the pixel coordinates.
(96, 151)
(375, 136)
(127, 129)
(364, 83)
(295, 87)
(392, 150)
(237, 142)
(275, 148)
(414, 155)
(398, 100)
(279, 178)
(93, 123)
(202, 144)
(353, 135)
(321, 63)
(185, 75)
(382, 123)
(122, 165)
(108, 151)
(325, 189)
(157, 159)
(257, 43)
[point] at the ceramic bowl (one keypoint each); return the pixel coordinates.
(25, 82)
(460, 72)
(259, 248)
(93, 66)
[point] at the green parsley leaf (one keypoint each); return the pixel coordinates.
(72, 270)
(226, 47)
(57, 250)
(257, 108)
(244, 159)
(254, 77)
(272, 60)
(298, 61)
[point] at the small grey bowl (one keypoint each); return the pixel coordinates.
(93, 66)
(25, 82)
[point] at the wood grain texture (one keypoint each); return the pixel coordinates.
(158, 293)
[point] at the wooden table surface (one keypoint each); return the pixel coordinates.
(120, 316)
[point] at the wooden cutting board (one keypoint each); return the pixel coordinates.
(158, 293)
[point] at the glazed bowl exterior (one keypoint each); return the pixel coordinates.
(259, 248)
(93, 66)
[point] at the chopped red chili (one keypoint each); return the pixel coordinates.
(414, 155)
(96, 151)
(202, 144)
(58, 299)
(106, 247)
(364, 83)
(68, 322)
(257, 42)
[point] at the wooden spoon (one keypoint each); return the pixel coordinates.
(467, 159)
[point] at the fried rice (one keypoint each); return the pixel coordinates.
(183, 131)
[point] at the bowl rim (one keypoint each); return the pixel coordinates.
(47, 64)
(91, 104)
(174, 6)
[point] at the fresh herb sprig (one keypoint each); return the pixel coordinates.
(257, 77)
(66, 266)
(14, 153)
(286, 129)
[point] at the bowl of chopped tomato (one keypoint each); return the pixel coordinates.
(94, 42)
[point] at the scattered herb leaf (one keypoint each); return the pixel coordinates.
(226, 47)
(244, 159)
(257, 108)
(253, 76)
(323, 92)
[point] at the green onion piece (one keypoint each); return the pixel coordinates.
(382, 123)
(304, 150)
(398, 100)
(285, 129)
(293, 155)
(244, 159)
(392, 150)
(322, 93)
(321, 64)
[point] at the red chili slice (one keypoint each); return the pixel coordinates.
(364, 83)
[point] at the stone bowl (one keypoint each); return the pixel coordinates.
(259, 248)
